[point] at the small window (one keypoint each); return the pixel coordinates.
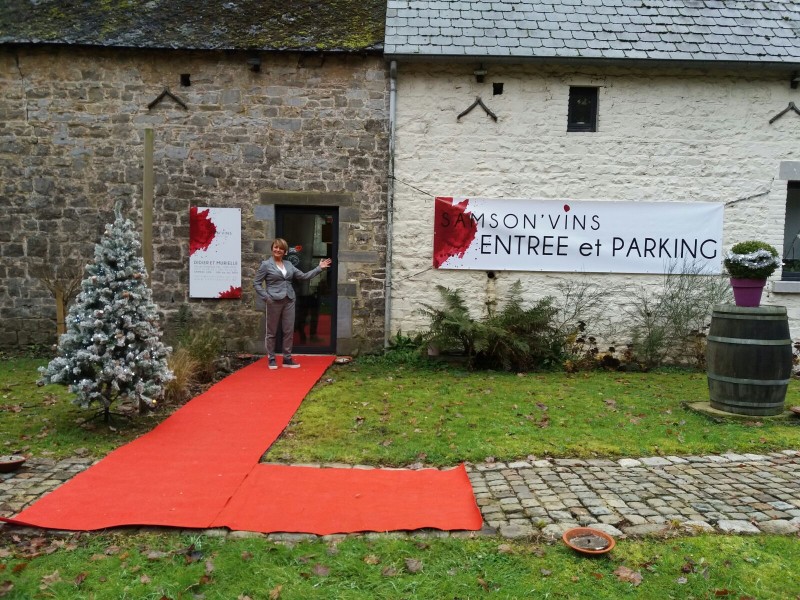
(186, 80)
(791, 234)
(582, 114)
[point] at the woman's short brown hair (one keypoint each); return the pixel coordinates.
(280, 243)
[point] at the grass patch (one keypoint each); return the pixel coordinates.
(42, 421)
(384, 414)
(396, 415)
(149, 565)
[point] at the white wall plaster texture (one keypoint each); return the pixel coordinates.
(666, 135)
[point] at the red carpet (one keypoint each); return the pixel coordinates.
(199, 469)
(324, 501)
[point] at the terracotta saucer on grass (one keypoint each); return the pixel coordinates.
(11, 463)
(588, 541)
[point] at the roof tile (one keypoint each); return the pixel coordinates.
(293, 25)
(729, 30)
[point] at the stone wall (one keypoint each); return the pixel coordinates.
(311, 130)
(663, 135)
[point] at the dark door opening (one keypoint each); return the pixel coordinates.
(312, 234)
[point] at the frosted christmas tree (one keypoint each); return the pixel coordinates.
(112, 347)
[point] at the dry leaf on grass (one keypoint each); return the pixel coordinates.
(623, 573)
(371, 559)
(49, 580)
(413, 565)
(275, 593)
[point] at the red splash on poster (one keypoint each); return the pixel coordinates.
(201, 230)
(453, 230)
(231, 292)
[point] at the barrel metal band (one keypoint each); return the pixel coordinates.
(746, 342)
(750, 317)
(748, 381)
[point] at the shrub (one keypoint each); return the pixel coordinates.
(668, 324)
(582, 319)
(752, 260)
(515, 338)
(405, 349)
(520, 338)
(204, 344)
(179, 325)
(402, 350)
(184, 367)
(452, 327)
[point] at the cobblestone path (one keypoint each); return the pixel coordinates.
(729, 493)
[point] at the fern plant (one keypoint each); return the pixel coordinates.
(514, 338)
(452, 327)
(520, 338)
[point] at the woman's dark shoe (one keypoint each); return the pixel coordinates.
(273, 364)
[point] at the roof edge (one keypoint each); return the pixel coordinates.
(618, 62)
(375, 50)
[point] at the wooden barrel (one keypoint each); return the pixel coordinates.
(749, 359)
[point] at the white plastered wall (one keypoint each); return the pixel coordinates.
(663, 135)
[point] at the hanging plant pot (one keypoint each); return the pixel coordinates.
(747, 292)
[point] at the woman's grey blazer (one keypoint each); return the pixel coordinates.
(279, 286)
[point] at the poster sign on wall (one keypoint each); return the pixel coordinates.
(577, 235)
(215, 252)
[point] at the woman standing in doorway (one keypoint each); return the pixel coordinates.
(277, 291)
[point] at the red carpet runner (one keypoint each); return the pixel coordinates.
(199, 469)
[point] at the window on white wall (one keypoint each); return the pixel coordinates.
(582, 112)
(791, 234)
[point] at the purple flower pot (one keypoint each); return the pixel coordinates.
(747, 292)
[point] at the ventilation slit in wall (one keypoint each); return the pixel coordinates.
(186, 80)
(497, 89)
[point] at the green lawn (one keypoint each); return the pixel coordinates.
(383, 415)
(42, 421)
(386, 414)
(173, 566)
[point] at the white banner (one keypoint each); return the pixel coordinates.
(215, 252)
(577, 235)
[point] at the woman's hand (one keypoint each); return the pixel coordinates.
(325, 263)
